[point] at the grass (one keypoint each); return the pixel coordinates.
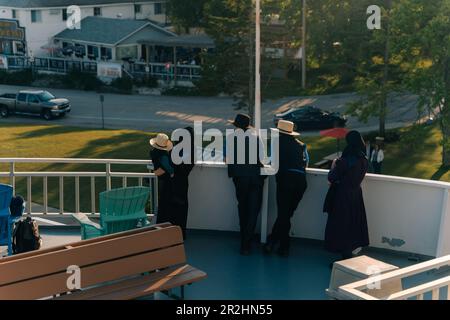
(35, 141)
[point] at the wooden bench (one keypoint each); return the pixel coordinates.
(122, 266)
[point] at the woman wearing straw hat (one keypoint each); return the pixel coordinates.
(164, 170)
(291, 185)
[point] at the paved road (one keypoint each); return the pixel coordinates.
(161, 113)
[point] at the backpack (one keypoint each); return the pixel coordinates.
(26, 236)
(17, 206)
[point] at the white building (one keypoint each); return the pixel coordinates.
(43, 19)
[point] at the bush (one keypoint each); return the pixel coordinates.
(82, 81)
(148, 82)
(23, 77)
(123, 85)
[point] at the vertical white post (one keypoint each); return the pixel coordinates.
(29, 195)
(77, 194)
(12, 177)
(108, 176)
(93, 195)
(61, 195)
(258, 67)
(124, 182)
(45, 186)
(435, 294)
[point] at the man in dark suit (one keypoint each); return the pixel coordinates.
(291, 185)
(247, 178)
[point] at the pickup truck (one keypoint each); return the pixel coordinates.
(30, 102)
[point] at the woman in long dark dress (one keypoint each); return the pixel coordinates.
(346, 228)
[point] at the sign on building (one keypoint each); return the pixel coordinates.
(10, 30)
(108, 71)
(3, 62)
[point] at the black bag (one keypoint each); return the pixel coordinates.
(329, 198)
(17, 206)
(26, 236)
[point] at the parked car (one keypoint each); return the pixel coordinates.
(312, 118)
(37, 102)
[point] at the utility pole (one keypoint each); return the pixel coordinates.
(258, 66)
(304, 45)
(383, 107)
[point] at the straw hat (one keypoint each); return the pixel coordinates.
(287, 127)
(161, 142)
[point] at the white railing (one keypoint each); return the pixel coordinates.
(107, 174)
(356, 290)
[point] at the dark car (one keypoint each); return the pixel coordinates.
(312, 118)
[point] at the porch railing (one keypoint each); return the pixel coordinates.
(436, 290)
(160, 71)
(108, 174)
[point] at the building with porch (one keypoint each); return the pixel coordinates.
(42, 19)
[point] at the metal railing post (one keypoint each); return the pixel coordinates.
(12, 177)
(108, 176)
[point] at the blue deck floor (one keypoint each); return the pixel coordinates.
(305, 274)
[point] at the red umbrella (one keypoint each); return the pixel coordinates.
(338, 133)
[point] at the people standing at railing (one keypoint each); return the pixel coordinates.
(377, 158)
(248, 183)
(346, 228)
(180, 188)
(291, 185)
(164, 170)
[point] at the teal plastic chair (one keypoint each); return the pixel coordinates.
(120, 210)
(6, 221)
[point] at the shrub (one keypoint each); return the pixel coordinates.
(148, 82)
(123, 85)
(22, 77)
(82, 81)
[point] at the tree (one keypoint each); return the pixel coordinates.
(186, 14)
(422, 47)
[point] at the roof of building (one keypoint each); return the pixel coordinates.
(59, 3)
(198, 40)
(107, 30)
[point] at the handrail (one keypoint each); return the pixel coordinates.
(107, 174)
(356, 290)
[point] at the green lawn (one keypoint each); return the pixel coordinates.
(66, 142)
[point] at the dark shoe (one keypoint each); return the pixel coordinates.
(283, 252)
(245, 250)
(268, 248)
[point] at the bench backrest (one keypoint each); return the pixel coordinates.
(6, 193)
(119, 204)
(41, 274)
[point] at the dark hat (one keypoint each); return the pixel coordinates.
(241, 121)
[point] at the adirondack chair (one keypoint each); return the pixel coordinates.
(6, 221)
(120, 210)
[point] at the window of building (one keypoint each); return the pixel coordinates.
(14, 14)
(64, 14)
(137, 8)
(92, 52)
(106, 53)
(160, 8)
(97, 11)
(36, 16)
